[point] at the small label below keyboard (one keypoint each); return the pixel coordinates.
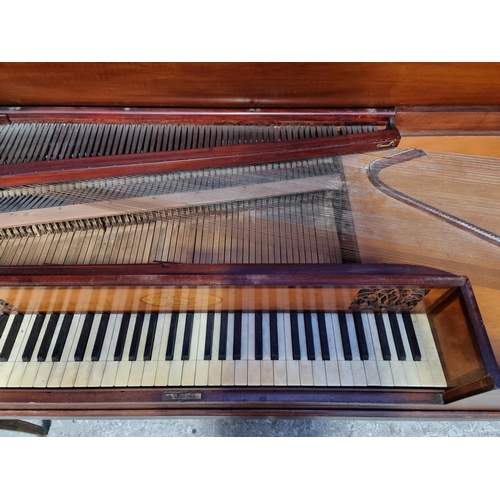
(180, 396)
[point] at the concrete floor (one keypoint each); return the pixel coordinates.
(224, 427)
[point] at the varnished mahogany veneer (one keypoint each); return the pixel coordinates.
(168, 161)
(243, 85)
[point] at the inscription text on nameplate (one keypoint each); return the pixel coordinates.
(182, 299)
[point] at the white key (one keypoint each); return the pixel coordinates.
(319, 369)
(280, 378)
(384, 369)
(215, 372)
(253, 365)
(160, 349)
(85, 368)
(64, 372)
(397, 368)
(230, 337)
(430, 348)
(124, 366)
(267, 372)
(19, 368)
(302, 336)
(280, 368)
(33, 366)
(215, 367)
(137, 370)
(306, 372)
(175, 374)
(292, 367)
(357, 365)
(319, 373)
(345, 367)
(227, 372)
(422, 367)
(371, 367)
(45, 368)
(332, 373)
(266, 337)
(202, 365)
(111, 366)
(241, 366)
(410, 366)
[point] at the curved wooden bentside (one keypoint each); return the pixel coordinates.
(373, 172)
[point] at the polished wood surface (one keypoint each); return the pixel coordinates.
(450, 107)
(253, 85)
(409, 235)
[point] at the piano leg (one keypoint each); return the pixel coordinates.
(27, 427)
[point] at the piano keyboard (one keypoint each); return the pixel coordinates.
(218, 349)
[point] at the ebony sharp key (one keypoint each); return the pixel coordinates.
(122, 335)
(294, 327)
(47, 337)
(136, 337)
(412, 337)
(11, 337)
(61, 338)
(188, 331)
(223, 335)
(99, 340)
(323, 337)
(311, 355)
(273, 325)
(360, 336)
(258, 336)
(172, 332)
(237, 336)
(3, 321)
(209, 335)
(382, 335)
(84, 337)
(344, 334)
(33, 337)
(396, 335)
(150, 338)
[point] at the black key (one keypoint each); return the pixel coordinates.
(136, 337)
(33, 337)
(294, 327)
(412, 337)
(382, 335)
(84, 337)
(122, 335)
(223, 336)
(209, 335)
(237, 336)
(323, 337)
(311, 355)
(186, 341)
(99, 340)
(344, 334)
(47, 337)
(3, 321)
(150, 339)
(11, 337)
(396, 335)
(61, 338)
(172, 333)
(360, 335)
(258, 336)
(273, 325)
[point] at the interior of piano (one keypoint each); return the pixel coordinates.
(315, 211)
